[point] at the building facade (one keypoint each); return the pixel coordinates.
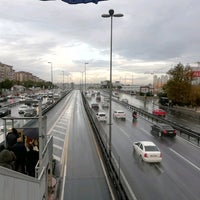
(6, 72)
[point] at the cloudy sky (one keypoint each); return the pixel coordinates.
(152, 37)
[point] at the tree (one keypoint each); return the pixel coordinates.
(195, 96)
(6, 84)
(178, 87)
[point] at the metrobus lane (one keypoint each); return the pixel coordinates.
(83, 173)
(58, 121)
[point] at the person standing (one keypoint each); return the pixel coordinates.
(11, 138)
(21, 155)
(7, 158)
(32, 159)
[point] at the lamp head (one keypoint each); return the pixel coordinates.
(111, 12)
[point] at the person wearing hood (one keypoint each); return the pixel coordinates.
(7, 158)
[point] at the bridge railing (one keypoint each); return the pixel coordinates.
(188, 134)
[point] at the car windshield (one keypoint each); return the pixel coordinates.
(29, 110)
(23, 106)
(167, 127)
(151, 148)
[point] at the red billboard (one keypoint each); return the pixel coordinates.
(196, 73)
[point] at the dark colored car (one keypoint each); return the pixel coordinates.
(98, 98)
(31, 112)
(5, 111)
(95, 106)
(162, 129)
(164, 101)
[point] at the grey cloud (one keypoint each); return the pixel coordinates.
(150, 31)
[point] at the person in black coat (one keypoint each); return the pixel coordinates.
(20, 151)
(11, 138)
(32, 159)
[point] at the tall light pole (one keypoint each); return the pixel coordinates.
(63, 78)
(85, 76)
(111, 15)
(82, 81)
(51, 72)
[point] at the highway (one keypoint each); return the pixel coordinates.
(81, 170)
(177, 177)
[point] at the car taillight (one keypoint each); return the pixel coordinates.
(174, 130)
(145, 155)
(165, 131)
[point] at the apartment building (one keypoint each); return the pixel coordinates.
(6, 72)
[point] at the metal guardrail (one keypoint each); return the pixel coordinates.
(29, 120)
(183, 131)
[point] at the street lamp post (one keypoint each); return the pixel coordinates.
(111, 15)
(51, 71)
(63, 78)
(85, 76)
(82, 81)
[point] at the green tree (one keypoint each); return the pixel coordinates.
(195, 96)
(178, 87)
(6, 84)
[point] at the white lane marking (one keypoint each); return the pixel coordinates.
(125, 180)
(159, 168)
(57, 147)
(56, 157)
(62, 123)
(63, 182)
(196, 167)
(60, 132)
(60, 126)
(145, 131)
(57, 138)
(128, 136)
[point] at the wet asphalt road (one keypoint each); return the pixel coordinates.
(178, 175)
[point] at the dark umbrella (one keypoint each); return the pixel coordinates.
(32, 133)
(81, 1)
(78, 1)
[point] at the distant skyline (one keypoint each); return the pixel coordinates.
(152, 37)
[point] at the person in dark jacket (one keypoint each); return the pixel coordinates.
(21, 154)
(11, 138)
(7, 158)
(32, 159)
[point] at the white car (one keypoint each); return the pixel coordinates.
(119, 114)
(101, 116)
(106, 99)
(22, 108)
(147, 151)
(124, 100)
(105, 104)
